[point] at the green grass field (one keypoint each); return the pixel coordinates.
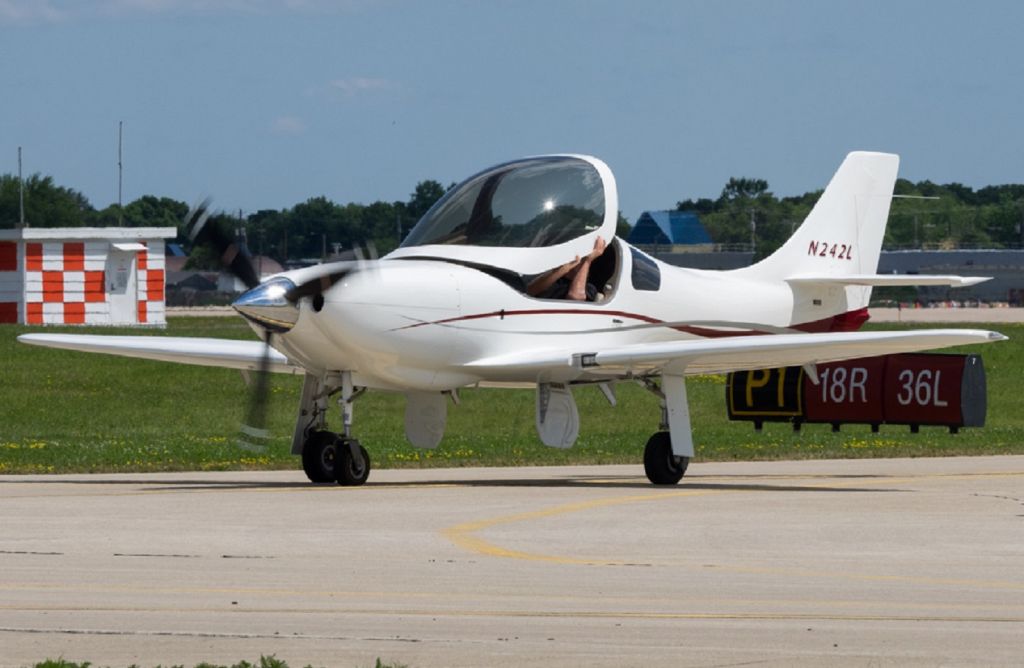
(63, 411)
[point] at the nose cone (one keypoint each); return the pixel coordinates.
(267, 305)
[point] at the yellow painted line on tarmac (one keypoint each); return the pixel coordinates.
(463, 534)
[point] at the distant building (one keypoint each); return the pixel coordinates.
(83, 275)
(1006, 267)
(669, 229)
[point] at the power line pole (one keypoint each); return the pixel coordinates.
(120, 172)
(21, 194)
(753, 232)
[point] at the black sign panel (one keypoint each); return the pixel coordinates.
(772, 394)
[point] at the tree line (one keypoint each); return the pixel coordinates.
(745, 212)
(310, 230)
(923, 215)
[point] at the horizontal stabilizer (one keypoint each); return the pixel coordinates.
(889, 280)
(183, 350)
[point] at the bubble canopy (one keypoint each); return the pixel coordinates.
(528, 215)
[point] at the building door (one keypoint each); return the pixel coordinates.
(121, 287)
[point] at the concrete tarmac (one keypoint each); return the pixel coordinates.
(863, 562)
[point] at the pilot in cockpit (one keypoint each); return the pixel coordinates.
(569, 281)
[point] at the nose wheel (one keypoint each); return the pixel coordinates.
(353, 462)
(327, 457)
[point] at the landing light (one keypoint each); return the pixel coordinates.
(549, 205)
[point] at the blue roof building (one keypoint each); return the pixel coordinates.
(668, 228)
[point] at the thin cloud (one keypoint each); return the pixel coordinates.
(30, 11)
(357, 85)
(50, 11)
(289, 125)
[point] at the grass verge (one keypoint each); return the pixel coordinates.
(63, 412)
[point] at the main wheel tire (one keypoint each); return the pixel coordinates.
(352, 470)
(661, 465)
(320, 457)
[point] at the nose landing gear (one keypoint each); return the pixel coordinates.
(326, 456)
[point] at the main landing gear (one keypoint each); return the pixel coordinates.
(663, 463)
(326, 456)
(660, 464)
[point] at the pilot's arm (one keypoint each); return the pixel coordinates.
(543, 283)
(578, 287)
(577, 271)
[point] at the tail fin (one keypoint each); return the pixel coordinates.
(843, 233)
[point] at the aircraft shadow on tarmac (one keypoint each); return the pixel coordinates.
(748, 483)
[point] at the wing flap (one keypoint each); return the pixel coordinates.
(227, 353)
(721, 355)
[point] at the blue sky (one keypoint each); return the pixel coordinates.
(265, 103)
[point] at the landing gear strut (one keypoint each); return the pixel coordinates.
(663, 463)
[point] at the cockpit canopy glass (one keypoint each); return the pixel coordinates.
(523, 204)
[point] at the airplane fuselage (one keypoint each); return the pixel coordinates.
(420, 323)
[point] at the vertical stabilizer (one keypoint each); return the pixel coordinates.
(843, 233)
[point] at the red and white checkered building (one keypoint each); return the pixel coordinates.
(83, 276)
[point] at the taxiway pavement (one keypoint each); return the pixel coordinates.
(864, 562)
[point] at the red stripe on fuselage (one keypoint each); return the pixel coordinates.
(844, 322)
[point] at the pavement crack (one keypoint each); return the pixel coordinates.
(33, 553)
(1000, 497)
(158, 556)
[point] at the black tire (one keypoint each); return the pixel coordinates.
(352, 471)
(320, 457)
(663, 467)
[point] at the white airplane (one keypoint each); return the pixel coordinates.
(455, 307)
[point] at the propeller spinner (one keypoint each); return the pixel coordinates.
(270, 305)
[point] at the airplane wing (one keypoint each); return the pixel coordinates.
(228, 353)
(721, 355)
(879, 280)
